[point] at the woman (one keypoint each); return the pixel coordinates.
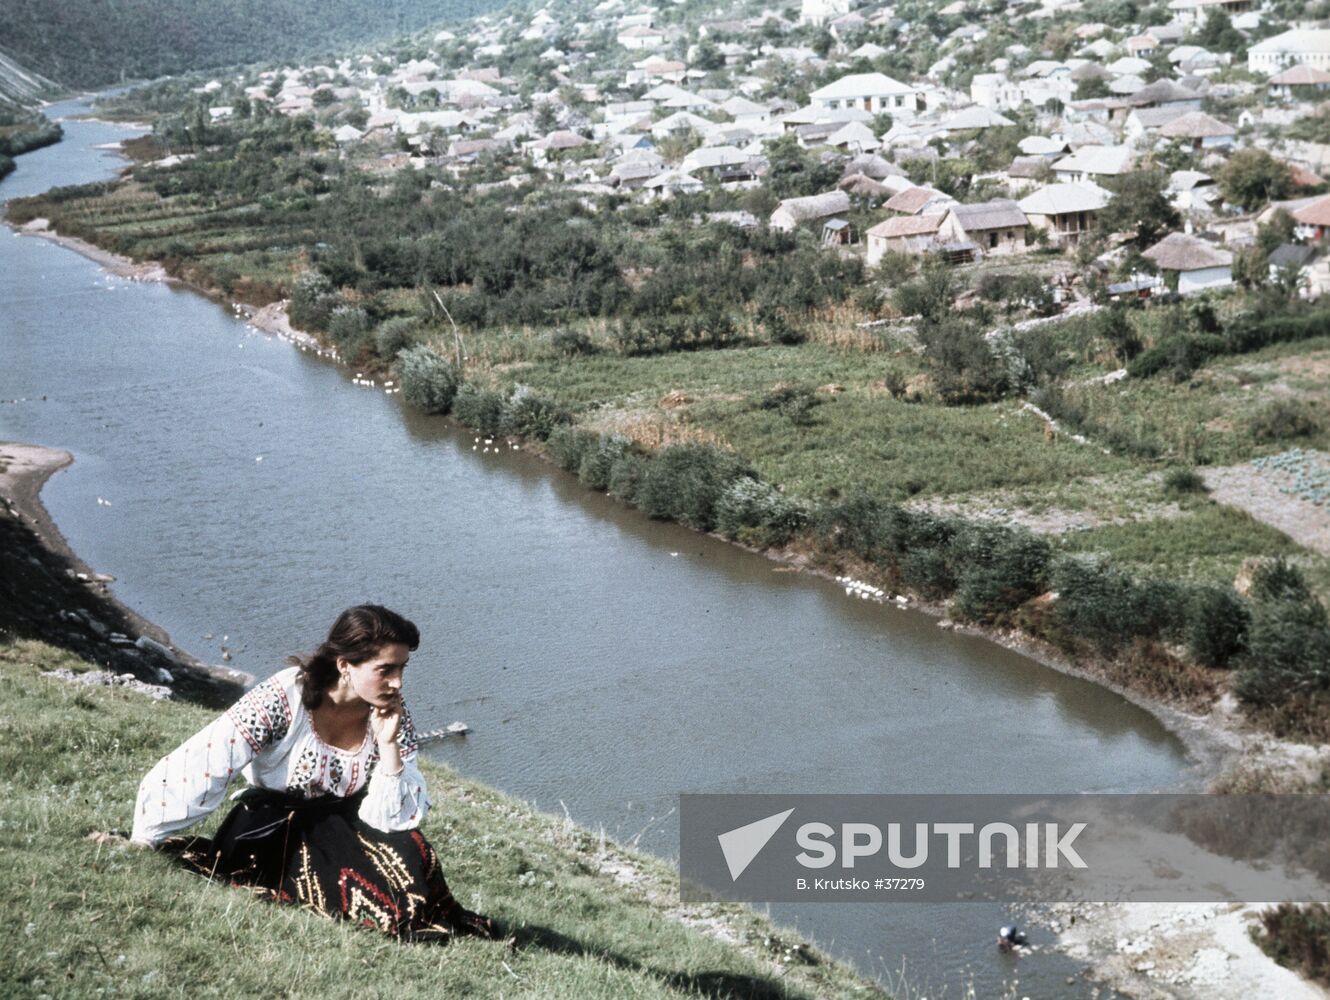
(332, 818)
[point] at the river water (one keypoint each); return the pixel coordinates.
(605, 662)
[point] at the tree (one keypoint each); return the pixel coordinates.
(1140, 204)
(1218, 34)
(707, 56)
(1252, 177)
(1092, 88)
(793, 172)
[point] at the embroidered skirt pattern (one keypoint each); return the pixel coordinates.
(318, 853)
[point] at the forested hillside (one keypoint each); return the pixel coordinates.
(92, 43)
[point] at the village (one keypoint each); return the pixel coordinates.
(982, 153)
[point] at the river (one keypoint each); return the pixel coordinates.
(605, 662)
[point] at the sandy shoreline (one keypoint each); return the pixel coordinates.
(1214, 743)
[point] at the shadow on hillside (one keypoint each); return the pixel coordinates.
(715, 985)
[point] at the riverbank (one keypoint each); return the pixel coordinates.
(583, 917)
(48, 593)
(885, 611)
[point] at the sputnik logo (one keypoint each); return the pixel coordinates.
(742, 844)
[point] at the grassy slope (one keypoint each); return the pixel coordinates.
(89, 920)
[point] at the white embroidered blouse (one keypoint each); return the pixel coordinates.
(268, 736)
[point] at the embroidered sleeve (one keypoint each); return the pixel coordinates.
(399, 801)
(190, 782)
(263, 715)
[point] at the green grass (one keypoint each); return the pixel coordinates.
(90, 920)
(1206, 542)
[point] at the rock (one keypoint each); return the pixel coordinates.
(152, 645)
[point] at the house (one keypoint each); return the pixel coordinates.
(1141, 46)
(1200, 131)
(1301, 82)
(1192, 192)
(864, 188)
(1193, 263)
(1299, 47)
(681, 123)
(995, 91)
(1313, 220)
(902, 234)
(1090, 162)
(995, 227)
(918, 200)
(855, 137)
(872, 92)
(1065, 211)
(974, 119)
(837, 232)
(1311, 272)
(556, 142)
(347, 134)
(716, 160)
(641, 36)
(1142, 123)
(794, 212)
(1166, 92)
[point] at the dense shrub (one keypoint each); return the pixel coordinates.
(1177, 355)
(566, 446)
(1183, 482)
(795, 402)
(312, 301)
(480, 408)
(428, 381)
(394, 335)
(856, 524)
(757, 513)
(598, 462)
(1217, 621)
(571, 343)
(1108, 609)
(1299, 937)
(998, 570)
(348, 328)
(685, 482)
(532, 416)
(1282, 419)
(626, 475)
(1288, 645)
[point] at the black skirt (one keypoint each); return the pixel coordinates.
(318, 853)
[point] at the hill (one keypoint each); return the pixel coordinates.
(585, 919)
(90, 44)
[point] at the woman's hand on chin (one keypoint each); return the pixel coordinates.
(385, 721)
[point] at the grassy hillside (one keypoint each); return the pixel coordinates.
(87, 43)
(101, 920)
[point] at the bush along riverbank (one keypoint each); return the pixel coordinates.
(1184, 644)
(95, 917)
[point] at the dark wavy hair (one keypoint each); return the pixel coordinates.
(357, 635)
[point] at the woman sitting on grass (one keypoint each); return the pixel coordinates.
(332, 818)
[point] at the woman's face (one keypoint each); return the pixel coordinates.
(378, 680)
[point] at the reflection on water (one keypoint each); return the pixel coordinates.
(605, 662)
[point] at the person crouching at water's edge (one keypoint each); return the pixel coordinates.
(331, 818)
